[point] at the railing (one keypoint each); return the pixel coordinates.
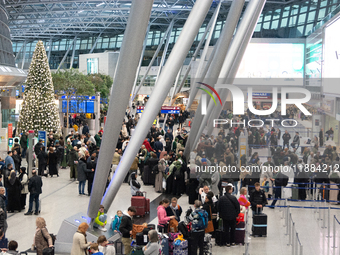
(293, 236)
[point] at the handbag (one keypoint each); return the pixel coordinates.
(210, 227)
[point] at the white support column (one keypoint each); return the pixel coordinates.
(221, 50)
(24, 56)
(18, 52)
(164, 51)
(165, 82)
(199, 46)
(151, 62)
(49, 50)
(200, 74)
(95, 43)
(73, 52)
(233, 61)
(140, 64)
(68, 50)
(130, 52)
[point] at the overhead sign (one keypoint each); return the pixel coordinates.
(262, 95)
(10, 130)
(42, 135)
(140, 109)
(170, 109)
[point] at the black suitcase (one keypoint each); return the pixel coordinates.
(220, 238)
(147, 176)
(183, 229)
(141, 239)
(193, 195)
(240, 232)
(259, 227)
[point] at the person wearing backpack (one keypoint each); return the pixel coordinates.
(228, 208)
(199, 220)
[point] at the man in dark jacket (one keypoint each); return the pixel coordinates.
(23, 144)
(86, 129)
(279, 180)
(286, 137)
(158, 147)
(126, 228)
(228, 208)
(257, 199)
(296, 140)
(34, 187)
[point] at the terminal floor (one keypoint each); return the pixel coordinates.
(60, 200)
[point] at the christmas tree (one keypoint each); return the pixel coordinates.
(39, 110)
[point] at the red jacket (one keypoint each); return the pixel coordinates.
(147, 145)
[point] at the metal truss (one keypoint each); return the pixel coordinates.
(41, 19)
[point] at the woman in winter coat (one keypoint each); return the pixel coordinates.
(52, 162)
(42, 238)
(152, 247)
(152, 162)
(159, 176)
(17, 160)
(13, 192)
(80, 243)
(163, 219)
(42, 158)
(23, 178)
(134, 184)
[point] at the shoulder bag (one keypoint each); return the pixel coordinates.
(210, 227)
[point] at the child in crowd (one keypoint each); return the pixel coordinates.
(242, 199)
(105, 247)
(100, 220)
(116, 221)
(265, 185)
(94, 249)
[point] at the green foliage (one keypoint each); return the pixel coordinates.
(39, 110)
(102, 83)
(71, 82)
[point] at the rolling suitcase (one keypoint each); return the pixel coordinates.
(172, 237)
(181, 249)
(220, 238)
(141, 238)
(147, 209)
(259, 227)
(140, 204)
(240, 232)
(164, 245)
(295, 192)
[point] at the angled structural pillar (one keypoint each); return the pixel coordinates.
(73, 51)
(68, 50)
(152, 60)
(130, 53)
(200, 73)
(233, 60)
(24, 56)
(215, 67)
(49, 50)
(95, 43)
(159, 93)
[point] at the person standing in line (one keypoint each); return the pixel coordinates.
(73, 161)
(9, 159)
(228, 208)
(23, 178)
(3, 206)
(81, 177)
(286, 137)
(34, 187)
(52, 162)
(42, 159)
(321, 137)
(126, 228)
(23, 144)
(13, 192)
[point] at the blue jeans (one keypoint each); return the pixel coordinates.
(34, 197)
(235, 188)
(102, 218)
(23, 153)
(81, 187)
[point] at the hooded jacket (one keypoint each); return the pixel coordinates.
(126, 225)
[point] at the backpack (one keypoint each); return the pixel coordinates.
(178, 172)
(147, 156)
(200, 221)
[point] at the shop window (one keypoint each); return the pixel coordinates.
(92, 65)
